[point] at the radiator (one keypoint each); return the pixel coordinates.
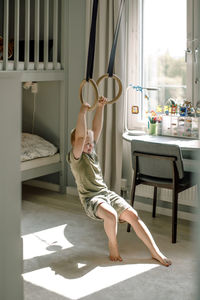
(187, 201)
(188, 197)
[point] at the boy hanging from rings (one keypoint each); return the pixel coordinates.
(98, 201)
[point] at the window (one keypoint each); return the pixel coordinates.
(161, 55)
(164, 40)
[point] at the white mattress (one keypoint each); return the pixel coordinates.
(39, 162)
(31, 65)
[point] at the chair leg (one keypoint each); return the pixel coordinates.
(154, 202)
(174, 215)
(132, 198)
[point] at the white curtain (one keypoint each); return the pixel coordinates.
(110, 144)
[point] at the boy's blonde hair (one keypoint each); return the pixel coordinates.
(73, 132)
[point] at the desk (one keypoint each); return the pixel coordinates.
(190, 148)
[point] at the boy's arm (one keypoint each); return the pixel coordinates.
(81, 131)
(98, 118)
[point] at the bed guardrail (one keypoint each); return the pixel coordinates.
(43, 34)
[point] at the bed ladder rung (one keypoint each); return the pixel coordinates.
(27, 34)
(55, 34)
(46, 33)
(36, 34)
(5, 34)
(63, 31)
(16, 35)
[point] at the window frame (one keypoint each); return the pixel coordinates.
(135, 44)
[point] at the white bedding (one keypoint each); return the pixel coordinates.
(34, 146)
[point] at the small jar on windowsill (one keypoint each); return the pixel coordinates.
(152, 128)
(152, 123)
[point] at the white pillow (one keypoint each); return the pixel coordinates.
(34, 146)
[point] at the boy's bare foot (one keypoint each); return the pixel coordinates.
(114, 253)
(162, 259)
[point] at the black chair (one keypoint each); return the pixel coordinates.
(160, 165)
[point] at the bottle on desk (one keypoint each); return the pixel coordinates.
(159, 128)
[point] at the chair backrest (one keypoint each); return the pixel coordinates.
(159, 168)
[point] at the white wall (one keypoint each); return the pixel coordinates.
(10, 189)
(47, 110)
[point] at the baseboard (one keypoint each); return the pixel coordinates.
(70, 190)
(43, 185)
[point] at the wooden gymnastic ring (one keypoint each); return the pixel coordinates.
(94, 85)
(119, 84)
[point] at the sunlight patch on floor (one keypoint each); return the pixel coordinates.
(45, 242)
(97, 279)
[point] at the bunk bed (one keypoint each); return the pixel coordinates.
(33, 45)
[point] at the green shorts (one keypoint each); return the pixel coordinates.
(118, 203)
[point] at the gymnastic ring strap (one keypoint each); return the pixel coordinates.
(91, 47)
(114, 45)
(119, 85)
(90, 58)
(94, 85)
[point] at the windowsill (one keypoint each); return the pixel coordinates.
(139, 128)
(135, 132)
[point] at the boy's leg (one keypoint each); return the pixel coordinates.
(131, 216)
(109, 215)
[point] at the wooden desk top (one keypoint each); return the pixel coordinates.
(190, 146)
(183, 143)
